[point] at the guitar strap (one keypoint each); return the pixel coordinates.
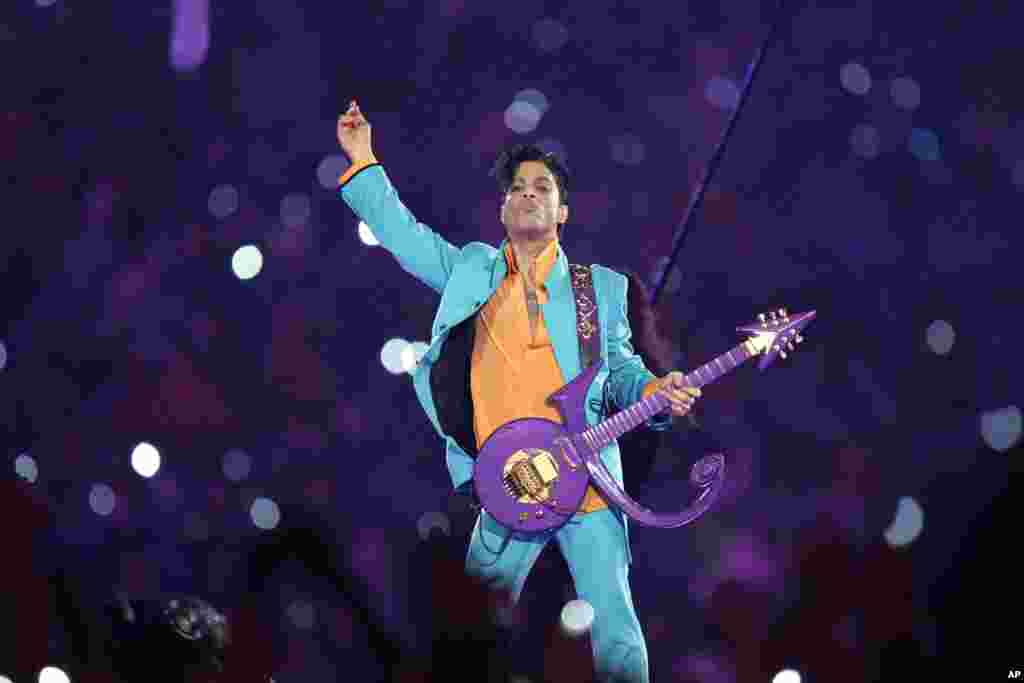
(587, 328)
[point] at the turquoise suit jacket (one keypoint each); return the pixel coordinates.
(466, 278)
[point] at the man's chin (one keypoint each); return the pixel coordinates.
(530, 231)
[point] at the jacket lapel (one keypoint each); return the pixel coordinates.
(560, 318)
(499, 269)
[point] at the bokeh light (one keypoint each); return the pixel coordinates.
(302, 614)
(391, 355)
(145, 459)
(366, 236)
(236, 464)
(51, 674)
(26, 468)
(102, 499)
(1001, 429)
(534, 98)
(265, 513)
(247, 262)
(223, 201)
(190, 34)
(330, 168)
(787, 676)
(907, 523)
(905, 93)
(577, 618)
(549, 35)
(855, 78)
(722, 92)
(434, 519)
(3, 356)
(940, 337)
(522, 116)
(412, 354)
(924, 144)
(865, 140)
(295, 209)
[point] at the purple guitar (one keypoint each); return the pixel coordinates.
(531, 474)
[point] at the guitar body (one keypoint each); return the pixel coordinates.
(533, 445)
(529, 475)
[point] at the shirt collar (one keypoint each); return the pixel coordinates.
(543, 263)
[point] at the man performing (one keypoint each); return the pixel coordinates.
(503, 340)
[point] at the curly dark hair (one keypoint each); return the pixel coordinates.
(505, 167)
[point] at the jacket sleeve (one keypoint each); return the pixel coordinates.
(419, 250)
(629, 380)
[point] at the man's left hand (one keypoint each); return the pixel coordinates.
(681, 395)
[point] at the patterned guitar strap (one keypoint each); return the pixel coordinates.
(587, 328)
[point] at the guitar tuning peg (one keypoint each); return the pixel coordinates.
(782, 313)
(799, 339)
(782, 354)
(760, 317)
(772, 316)
(790, 346)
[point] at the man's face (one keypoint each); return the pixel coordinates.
(531, 207)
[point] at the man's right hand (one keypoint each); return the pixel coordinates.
(354, 134)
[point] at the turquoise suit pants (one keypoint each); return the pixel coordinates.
(594, 546)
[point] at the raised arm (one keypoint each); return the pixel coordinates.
(367, 190)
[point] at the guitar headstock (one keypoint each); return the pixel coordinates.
(775, 333)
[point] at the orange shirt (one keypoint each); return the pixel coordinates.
(513, 372)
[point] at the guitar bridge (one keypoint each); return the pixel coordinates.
(530, 479)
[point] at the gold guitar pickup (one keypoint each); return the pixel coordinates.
(544, 465)
(529, 478)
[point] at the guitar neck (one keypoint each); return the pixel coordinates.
(603, 433)
(722, 365)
